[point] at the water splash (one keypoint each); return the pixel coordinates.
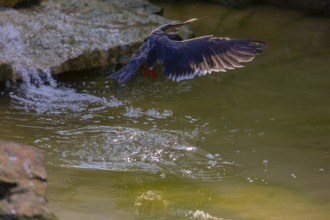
(198, 214)
(152, 204)
(154, 113)
(155, 151)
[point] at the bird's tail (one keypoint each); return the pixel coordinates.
(125, 73)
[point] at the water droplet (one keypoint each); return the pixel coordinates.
(234, 130)
(293, 175)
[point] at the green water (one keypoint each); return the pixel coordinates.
(251, 144)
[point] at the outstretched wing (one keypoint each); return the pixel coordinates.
(199, 56)
(128, 71)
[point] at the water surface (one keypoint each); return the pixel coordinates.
(250, 144)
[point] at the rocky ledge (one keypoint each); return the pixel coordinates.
(58, 36)
(23, 182)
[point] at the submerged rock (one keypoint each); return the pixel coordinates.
(23, 182)
(70, 35)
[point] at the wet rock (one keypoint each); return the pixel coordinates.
(12, 3)
(141, 5)
(69, 35)
(23, 181)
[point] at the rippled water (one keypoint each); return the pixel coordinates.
(251, 144)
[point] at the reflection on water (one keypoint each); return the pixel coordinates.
(252, 144)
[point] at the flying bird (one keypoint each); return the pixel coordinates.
(185, 59)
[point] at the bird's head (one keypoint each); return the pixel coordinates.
(173, 26)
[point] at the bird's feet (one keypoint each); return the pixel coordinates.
(152, 73)
(147, 71)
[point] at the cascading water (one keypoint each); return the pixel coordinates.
(41, 93)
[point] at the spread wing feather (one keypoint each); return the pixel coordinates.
(200, 56)
(128, 71)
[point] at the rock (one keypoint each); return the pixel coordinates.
(69, 35)
(141, 5)
(23, 182)
(13, 3)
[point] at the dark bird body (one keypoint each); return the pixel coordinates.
(184, 59)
